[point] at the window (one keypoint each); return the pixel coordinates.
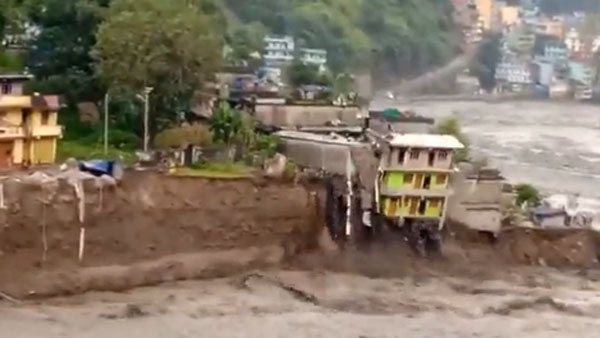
(408, 178)
(6, 88)
(443, 155)
(441, 179)
(414, 154)
(401, 155)
(434, 203)
(45, 118)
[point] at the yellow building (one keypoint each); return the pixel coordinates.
(415, 175)
(29, 129)
(509, 15)
(485, 8)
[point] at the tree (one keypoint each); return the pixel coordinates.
(450, 126)
(60, 55)
(306, 74)
(169, 45)
(487, 58)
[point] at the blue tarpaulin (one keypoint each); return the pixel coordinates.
(102, 167)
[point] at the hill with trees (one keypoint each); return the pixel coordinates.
(82, 49)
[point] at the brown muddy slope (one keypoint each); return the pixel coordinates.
(149, 216)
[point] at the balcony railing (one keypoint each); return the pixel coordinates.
(11, 132)
(44, 131)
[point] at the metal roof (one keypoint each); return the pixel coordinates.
(424, 141)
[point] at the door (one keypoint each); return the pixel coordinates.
(418, 181)
(414, 204)
(427, 182)
(6, 154)
(422, 207)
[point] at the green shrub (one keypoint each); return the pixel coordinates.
(527, 193)
(196, 134)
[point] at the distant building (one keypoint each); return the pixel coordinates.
(542, 72)
(279, 50)
(556, 52)
(581, 78)
(509, 15)
(12, 84)
(29, 128)
(573, 41)
(485, 8)
(552, 27)
(403, 122)
(313, 56)
(513, 76)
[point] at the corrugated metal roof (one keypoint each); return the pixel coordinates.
(425, 141)
(312, 137)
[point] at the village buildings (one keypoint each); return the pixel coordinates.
(29, 129)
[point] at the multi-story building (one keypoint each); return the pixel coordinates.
(573, 41)
(279, 49)
(29, 127)
(509, 15)
(414, 179)
(513, 76)
(485, 8)
(550, 26)
(581, 78)
(313, 56)
(556, 53)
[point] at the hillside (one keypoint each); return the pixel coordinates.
(393, 37)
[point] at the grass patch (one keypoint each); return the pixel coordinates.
(215, 170)
(83, 151)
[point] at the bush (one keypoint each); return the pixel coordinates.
(196, 134)
(527, 193)
(450, 126)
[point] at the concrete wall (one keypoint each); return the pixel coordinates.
(384, 127)
(476, 204)
(481, 219)
(329, 157)
(307, 115)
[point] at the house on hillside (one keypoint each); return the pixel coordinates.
(312, 56)
(279, 50)
(29, 129)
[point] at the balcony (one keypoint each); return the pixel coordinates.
(387, 191)
(46, 131)
(11, 132)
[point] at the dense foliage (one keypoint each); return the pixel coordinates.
(84, 48)
(393, 37)
(485, 62)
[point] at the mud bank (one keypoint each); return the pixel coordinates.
(146, 218)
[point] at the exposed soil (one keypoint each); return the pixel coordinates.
(155, 230)
(147, 217)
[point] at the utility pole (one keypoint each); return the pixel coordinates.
(106, 103)
(146, 99)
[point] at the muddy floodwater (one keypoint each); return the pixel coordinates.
(317, 304)
(553, 145)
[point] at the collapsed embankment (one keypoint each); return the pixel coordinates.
(153, 228)
(148, 229)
